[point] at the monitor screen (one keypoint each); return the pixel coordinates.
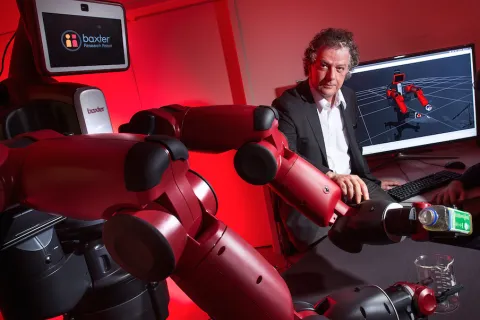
(415, 100)
(82, 37)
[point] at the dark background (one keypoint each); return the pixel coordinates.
(377, 111)
(57, 24)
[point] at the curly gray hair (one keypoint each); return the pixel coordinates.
(331, 38)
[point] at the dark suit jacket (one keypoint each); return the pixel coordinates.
(300, 123)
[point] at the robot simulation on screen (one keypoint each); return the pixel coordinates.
(398, 94)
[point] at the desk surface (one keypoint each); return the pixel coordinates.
(327, 268)
(409, 170)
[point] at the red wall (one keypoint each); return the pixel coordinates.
(272, 34)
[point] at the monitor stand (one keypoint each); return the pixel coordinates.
(406, 156)
(418, 155)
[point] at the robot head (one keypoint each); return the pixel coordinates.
(54, 40)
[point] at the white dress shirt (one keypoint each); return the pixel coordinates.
(334, 134)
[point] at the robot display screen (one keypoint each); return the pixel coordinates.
(416, 100)
(82, 37)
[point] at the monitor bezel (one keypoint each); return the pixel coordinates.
(46, 6)
(417, 54)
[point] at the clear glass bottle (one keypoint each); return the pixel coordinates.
(444, 219)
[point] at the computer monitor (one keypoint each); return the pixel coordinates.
(81, 37)
(415, 100)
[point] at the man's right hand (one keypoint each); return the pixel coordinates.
(351, 185)
(453, 194)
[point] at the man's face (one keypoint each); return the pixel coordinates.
(328, 72)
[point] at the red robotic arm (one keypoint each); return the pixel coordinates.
(262, 158)
(418, 92)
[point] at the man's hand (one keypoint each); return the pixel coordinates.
(454, 193)
(389, 184)
(351, 185)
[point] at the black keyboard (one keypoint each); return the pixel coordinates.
(422, 185)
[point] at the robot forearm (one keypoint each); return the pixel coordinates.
(294, 179)
(376, 222)
(379, 222)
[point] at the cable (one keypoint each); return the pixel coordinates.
(429, 163)
(136, 83)
(5, 53)
(401, 169)
(418, 166)
(384, 163)
(264, 247)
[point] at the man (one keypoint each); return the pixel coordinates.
(318, 118)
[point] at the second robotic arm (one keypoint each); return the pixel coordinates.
(263, 158)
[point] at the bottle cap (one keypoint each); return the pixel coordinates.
(428, 217)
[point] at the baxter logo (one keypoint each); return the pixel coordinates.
(96, 110)
(73, 41)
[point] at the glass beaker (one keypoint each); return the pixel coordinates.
(436, 272)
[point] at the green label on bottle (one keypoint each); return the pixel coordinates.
(460, 221)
